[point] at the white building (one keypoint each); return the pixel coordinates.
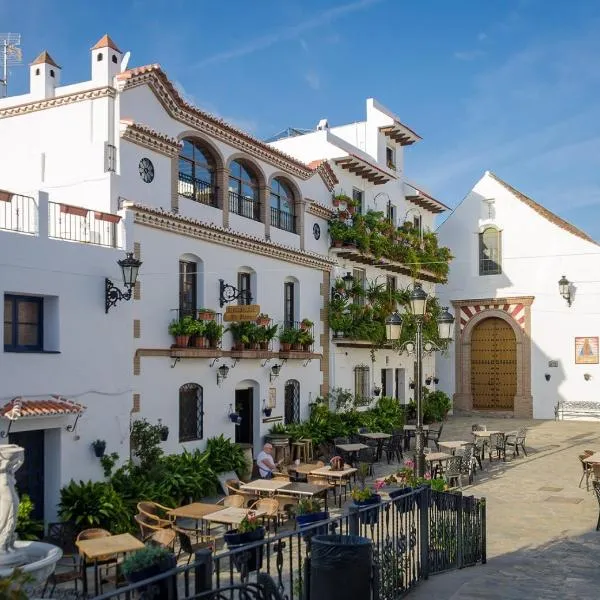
(520, 346)
(367, 160)
(209, 210)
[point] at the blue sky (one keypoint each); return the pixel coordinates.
(511, 86)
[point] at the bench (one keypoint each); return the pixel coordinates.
(573, 408)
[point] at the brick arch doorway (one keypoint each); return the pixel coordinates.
(493, 365)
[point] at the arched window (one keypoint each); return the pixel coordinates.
(197, 173)
(244, 196)
(282, 206)
(362, 383)
(191, 412)
(490, 251)
(292, 402)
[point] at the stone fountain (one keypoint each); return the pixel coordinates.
(38, 559)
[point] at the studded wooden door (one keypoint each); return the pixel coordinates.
(493, 365)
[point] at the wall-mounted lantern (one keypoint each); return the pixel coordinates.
(564, 287)
(229, 293)
(222, 373)
(130, 267)
(274, 374)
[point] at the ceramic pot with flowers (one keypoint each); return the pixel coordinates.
(248, 532)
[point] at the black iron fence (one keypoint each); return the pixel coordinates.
(198, 190)
(244, 206)
(18, 213)
(283, 220)
(418, 533)
(78, 224)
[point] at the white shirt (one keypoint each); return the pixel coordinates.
(264, 462)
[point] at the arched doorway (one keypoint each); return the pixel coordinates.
(493, 365)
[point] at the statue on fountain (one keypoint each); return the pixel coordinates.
(11, 459)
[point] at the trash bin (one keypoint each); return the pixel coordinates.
(341, 567)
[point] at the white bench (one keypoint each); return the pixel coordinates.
(573, 408)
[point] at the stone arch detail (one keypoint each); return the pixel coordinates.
(205, 141)
(521, 326)
(253, 164)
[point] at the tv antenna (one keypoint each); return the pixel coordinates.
(10, 55)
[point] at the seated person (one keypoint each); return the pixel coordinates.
(265, 463)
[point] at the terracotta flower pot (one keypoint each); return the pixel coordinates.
(262, 321)
(182, 341)
(296, 347)
(285, 347)
(200, 342)
(337, 243)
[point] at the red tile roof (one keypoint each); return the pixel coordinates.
(541, 210)
(106, 42)
(45, 59)
(20, 408)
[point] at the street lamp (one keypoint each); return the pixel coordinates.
(393, 325)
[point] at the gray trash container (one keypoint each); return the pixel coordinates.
(341, 567)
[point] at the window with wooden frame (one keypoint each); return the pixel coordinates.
(23, 323)
(188, 286)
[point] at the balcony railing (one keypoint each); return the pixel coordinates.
(18, 213)
(283, 220)
(246, 207)
(302, 337)
(78, 224)
(209, 340)
(198, 190)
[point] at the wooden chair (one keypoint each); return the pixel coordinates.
(189, 548)
(271, 508)
(106, 560)
(233, 488)
(164, 538)
(587, 468)
(235, 500)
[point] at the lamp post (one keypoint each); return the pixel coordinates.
(418, 305)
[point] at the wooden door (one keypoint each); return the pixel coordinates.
(244, 406)
(29, 478)
(493, 365)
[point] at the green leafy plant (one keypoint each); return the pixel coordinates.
(213, 331)
(287, 335)
(182, 326)
(224, 455)
(108, 462)
(145, 442)
(197, 328)
(308, 506)
(15, 585)
(249, 523)
(435, 406)
(27, 527)
(144, 558)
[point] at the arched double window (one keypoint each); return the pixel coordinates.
(282, 206)
(197, 173)
(244, 196)
(490, 251)
(191, 412)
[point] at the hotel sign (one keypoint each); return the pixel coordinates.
(241, 312)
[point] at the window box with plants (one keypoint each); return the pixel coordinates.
(249, 531)
(181, 330)
(149, 562)
(339, 199)
(213, 332)
(306, 340)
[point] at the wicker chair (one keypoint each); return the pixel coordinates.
(148, 525)
(271, 508)
(164, 538)
(587, 469)
(156, 512)
(235, 500)
(517, 439)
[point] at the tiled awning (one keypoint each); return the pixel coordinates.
(55, 406)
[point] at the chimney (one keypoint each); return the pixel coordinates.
(44, 77)
(106, 61)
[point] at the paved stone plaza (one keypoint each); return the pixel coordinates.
(542, 542)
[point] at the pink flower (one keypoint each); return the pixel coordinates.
(427, 476)
(378, 485)
(409, 463)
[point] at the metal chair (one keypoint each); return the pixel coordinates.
(68, 567)
(453, 470)
(468, 463)
(368, 456)
(517, 439)
(393, 447)
(497, 444)
(433, 435)
(189, 548)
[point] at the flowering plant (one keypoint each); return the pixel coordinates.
(248, 523)
(406, 475)
(337, 463)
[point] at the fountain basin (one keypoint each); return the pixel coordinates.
(38, 559)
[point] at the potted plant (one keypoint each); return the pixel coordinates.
(235, 417)
(308, 512)
(180, 330)
(411, 385)
(149, 562)
(243, 333)
(306, 324)
(363, 495)
(198, 332)
(163, 431)
(206, 314)
(428, 380)
(248, 531)
(99, 447)
(287, 337)
(337, 231)
(306, 340)
(376, 391)
(267, 411)
(263, 320)
(213, 332)
(266, 335)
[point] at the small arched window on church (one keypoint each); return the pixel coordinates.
(490, 251)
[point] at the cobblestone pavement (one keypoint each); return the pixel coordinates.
(542, 542)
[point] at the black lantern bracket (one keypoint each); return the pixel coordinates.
(71, 428)
(112, 294)
(229, 293)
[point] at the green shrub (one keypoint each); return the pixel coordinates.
(28, 528)
(145, 443)
(144, 558)
(224, 455)
(435, 406)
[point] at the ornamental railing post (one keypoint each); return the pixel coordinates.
(424, 501)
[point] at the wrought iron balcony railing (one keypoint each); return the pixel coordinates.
(198, 190)
(244, 206)
(18, 213)
(283, 220)
(78, 224)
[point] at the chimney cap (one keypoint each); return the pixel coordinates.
(45, 58)
(106, 42)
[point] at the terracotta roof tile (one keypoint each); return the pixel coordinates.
(130, 123)
(45, 58)
(19, 408)
(132, 74)
(323, 168)
(544, 212)
(106, 42)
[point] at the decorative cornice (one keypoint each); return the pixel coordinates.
(153, 140)
(173, 223)
(323, 168)
(319, 210)
(525, 300)
(29, 107)
(157, 81)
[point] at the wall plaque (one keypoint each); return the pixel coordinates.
(241, 312)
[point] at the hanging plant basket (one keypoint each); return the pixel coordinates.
(267, 412)
(99, 447)
(377, 391)
(164, 433)
(235, 418)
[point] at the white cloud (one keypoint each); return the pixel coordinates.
(313, 80)
(287, 32)
(481, 36)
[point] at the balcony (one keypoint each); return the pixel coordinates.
(77, 224)
(18, 213)
(197, 190)
(283, 220)
(197, 333)
(297, 340)
(374, 240)
(244, 206)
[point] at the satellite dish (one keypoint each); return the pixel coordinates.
(125, 61)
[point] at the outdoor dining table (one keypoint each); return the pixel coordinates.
(329, 473)
(264, 485)
(593, 459)
(453, 445)
(194, 511)
(299, 488)
(232, 515)
(352, 450)
(96, 548)
(379, 437)
(485, 434)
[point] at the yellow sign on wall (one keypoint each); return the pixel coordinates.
(242, 312)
